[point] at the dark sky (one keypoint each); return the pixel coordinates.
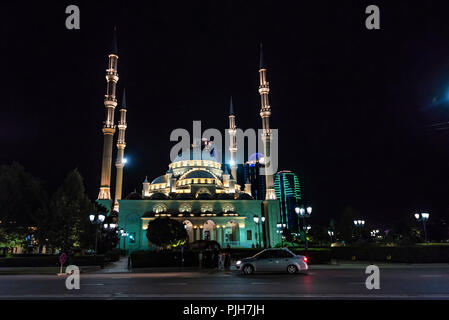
(353, 106)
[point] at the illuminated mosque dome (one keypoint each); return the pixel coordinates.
(197, 171)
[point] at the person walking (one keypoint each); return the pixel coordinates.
(227, 262)
(200, 259)
(220, 260)
(215, 258)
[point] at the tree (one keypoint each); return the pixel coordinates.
(164, 232)
(345, 226)
(318, 234)
(64, 222)
(21, 198)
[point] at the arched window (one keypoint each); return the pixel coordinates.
(228, 208)
(185, 207)
(160, 207)
(206, 208)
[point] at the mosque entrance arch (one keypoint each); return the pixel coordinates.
(232, 233)
(209, 230)
(189, 229)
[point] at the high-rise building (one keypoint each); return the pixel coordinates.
(252, 175)
(288, 192)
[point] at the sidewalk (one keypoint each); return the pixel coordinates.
(120, 266)
(42, 270)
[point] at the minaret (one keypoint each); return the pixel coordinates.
(233, 142)
(248, 187)
(110, 102)
(121, 144)
(265, 112)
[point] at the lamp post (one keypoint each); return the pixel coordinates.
(279, 230)
(359, 224)
(256, 221)
(263, 232)
(423, 217)
(96, 219)
(124, 235)
(331, 234)
(304, 213)
(374, 233)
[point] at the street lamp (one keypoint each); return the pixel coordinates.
(424, 216)
(331, 234)
(96, 219)
(263, 232)
(124, 235)
(279, 230)
(256, 221)
(359, 224)
(304, 213)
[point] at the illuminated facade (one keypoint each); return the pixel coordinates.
(288, 191)
(252, 174)
(197, 190)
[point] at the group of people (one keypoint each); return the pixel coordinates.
(215, 258)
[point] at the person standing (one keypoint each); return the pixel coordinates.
(227, 263)
(220, 260)
(200, 259)
(215, 258)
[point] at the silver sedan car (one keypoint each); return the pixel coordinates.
(273, 260)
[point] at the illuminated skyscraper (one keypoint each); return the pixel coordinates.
(288, 192)
(252, 175)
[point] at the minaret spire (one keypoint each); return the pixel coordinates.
(265, 112)
(110, 102)
(233, 141)
(121, 144)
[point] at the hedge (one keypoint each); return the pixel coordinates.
(141, 259)
(50, 261)
(409, 254)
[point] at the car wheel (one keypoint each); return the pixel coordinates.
(292, 269)
(248, 269)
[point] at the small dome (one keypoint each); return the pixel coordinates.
(158, 196)
(160, 179)
(225, 196)
(244, 196)
(184, 196)
(204, 196)
(134, 196)
(199, 174)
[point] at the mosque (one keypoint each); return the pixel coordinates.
(197, 189)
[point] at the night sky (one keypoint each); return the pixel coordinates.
(354, 107)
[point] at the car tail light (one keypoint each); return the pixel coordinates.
(304, 259)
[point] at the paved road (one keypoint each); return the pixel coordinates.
(326, 282)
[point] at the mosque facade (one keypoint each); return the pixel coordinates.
(197, 189)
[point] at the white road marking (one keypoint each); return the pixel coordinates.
(93, 284)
